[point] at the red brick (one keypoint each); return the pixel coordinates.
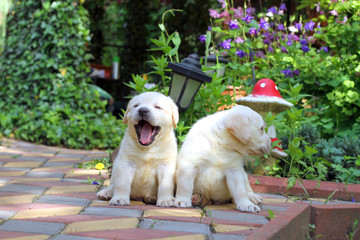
(334, 221)
(267, 184)
(30, 206)
(132, 233)
(6, 234)
(206, 220)
(69, 218)
(290, 224)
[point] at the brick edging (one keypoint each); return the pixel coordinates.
(319, 189)
(290, 224)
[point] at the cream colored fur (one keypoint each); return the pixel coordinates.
(146, 171)
(211, 159)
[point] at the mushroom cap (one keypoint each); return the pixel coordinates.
(265, 97)
(276, 153)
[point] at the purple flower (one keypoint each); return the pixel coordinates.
(293, 37)
(305, 48)
(223, 3)
(263, 24)
(248, 18)
(267, 41)
(353, 199)
(345, 20)
(253, 31)
(240, 53)
(209, 28)
(283, 49)
(272, 10)
(287, 73)
(333, 12)
(296, 72)
(289, 42)
(260, 54)
(317, 7)
(281, 27)
(238, 13)
(298, 26)
(226, 44)
(324, 48)
(309, 26)
(270, 49)
(283, 7)
(233, 24)
(214, 13)
(303, 42)
(250, 11)
(239, 40)
(95, 183)
(202, 38)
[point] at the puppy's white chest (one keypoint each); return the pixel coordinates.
(145, 182)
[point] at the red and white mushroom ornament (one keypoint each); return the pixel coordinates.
(265, 97)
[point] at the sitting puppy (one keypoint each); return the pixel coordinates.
(211, 159)
(144, 167)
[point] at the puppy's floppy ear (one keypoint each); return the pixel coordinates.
(125, 119)
(174, 112)
(238, 124)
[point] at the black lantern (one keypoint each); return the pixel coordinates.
(186, 80)
(220, 61)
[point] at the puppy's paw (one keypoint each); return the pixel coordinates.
(105, 194)
(247, 206)
(165, 202)
(119, 201)
(183, 203)
(255, 199)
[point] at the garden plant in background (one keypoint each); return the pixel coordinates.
(305, 54)
(44, 95)
(300, 55)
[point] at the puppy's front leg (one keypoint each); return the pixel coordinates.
(184, 186)
(166, 180)
(254, 198)
(236, 182)
(123, 176)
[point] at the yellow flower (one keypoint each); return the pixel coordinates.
(82, 1)
(62, 71)
(100, 166)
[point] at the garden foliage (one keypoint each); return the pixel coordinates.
(301, 56)
(44, 95)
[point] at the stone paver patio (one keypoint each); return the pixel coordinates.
(42, 196)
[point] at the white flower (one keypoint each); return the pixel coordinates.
(293, 29)
(270, 14)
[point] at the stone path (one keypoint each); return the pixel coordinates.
(42, 196)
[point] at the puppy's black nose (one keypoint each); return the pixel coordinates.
(143, 111)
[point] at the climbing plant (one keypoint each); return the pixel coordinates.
(44, 95)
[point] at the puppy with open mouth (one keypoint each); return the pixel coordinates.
(144, 167)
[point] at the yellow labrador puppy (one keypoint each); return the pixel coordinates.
(211, 159)
(145, 165)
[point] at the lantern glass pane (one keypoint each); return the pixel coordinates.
(190, 91)
(177, 84)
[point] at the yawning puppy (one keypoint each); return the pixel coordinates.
(145, 165)
(211, 159)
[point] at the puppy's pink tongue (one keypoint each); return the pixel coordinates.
(146, 132)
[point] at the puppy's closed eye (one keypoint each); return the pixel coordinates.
(158, 107)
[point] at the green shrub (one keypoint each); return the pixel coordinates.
(44, 95)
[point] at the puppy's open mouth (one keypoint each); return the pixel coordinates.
(146, 132)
